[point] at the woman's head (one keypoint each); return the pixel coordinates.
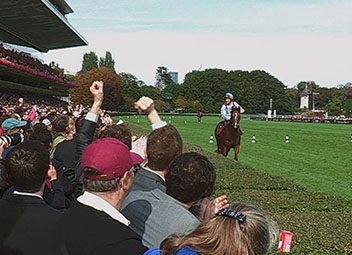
(241, 230)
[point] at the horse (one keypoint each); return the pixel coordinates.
(230, 136)
(200, 114)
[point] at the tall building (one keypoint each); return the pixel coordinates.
(174, 76)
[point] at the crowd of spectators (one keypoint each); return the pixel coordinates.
(26, 63)
(73, 182)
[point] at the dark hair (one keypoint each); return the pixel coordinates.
(190, 177)
(60, 123)
(163, 146)
(27, 166)
(41, 134)
(120, 132)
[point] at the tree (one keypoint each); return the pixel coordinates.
(108, 61)
(181, 103)
(90, 61)
(311, 86)
(112, 87)
(57, 69)
(130, 91)
(162, 77)
(162, 106)
(195, 106)
(252, 90)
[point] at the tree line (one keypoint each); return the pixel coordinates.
(204, 90)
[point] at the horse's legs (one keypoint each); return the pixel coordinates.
(224, 151)
(227, 151)
(236, 151)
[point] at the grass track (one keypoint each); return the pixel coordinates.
(318, 156)
(321, 223)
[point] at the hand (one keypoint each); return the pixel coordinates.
(209, 208)
(97, 91)
(144, 104)
(139, 146)
(52, 175)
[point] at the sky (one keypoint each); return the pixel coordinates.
(294, 40)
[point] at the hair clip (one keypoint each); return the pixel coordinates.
(232, 214)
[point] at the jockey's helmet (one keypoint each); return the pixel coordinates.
(229, 95)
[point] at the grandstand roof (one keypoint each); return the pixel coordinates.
(38, 24)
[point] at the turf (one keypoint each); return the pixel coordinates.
(320, 221)
(318, 156)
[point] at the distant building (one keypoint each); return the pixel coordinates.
(174, 76)
(305, 98)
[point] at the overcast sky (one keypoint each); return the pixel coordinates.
(292, 40)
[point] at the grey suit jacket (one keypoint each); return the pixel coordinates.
(154, 215)
(146, 180)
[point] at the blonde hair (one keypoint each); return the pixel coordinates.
(222, 235)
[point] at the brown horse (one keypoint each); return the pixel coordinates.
(200, 114)
(230, 136)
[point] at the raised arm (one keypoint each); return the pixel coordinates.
(146, 105)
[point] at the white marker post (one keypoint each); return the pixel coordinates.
(211, 139)
(287, 139)
(253, 139)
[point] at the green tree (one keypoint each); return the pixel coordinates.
(108, 61)
(90, 61)
(151, 91)
(162, 106)
(335, 106)
(252, 90)
(130, 91)
(57, 69)
(163, 78)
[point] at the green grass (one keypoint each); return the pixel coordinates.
(318, 156)
(321, 222)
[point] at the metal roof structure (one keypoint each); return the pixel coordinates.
(38, 24)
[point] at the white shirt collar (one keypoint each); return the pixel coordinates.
(27, 194)
(100, 204)
(154, 172)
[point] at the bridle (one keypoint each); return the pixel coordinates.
(235, 118)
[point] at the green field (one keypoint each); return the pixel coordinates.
(304, 185)
(318, 156)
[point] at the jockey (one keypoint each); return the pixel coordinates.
(226, 109)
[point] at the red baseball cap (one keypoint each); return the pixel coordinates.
(106, 159)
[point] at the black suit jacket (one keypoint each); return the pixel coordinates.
(87, 231)
(28, 226)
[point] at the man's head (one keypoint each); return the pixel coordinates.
(27, 166)
(228, 98)
(107, 167)
(42, 134)
(12, 125)
(120, 132)
(190, 178)
(163, 146)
